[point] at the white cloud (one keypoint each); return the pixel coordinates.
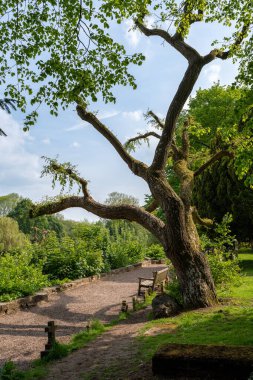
(75, 144)
(46, 141)
(132, 35)
(150, 22)
(101, 116)
(133, 115)
(212, 73)
(107, 114)
(76, 127)
(17, 164)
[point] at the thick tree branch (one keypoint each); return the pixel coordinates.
(186, 50)
(176, 152)
(137, 167)
(127, 212)
(217, 156)
(152, 206)
(56, 206)
(176, 106)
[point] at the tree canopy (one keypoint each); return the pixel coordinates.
(37, 227)
(62, 51)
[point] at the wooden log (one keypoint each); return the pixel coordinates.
(203, 362)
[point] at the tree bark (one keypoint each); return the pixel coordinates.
(194, 276)
(182, 246)
(190, 263)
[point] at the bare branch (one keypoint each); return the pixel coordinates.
(156, 119)
(201, 221)
(216, 157)
(216, 53)
(185, 139)
(2, 133)
(182, 47)
(144, 136)
(137, 167)
(83, 183)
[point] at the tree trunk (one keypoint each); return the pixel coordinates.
(191, 267)
(195, 279)
(181, 244)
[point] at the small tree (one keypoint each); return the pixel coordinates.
(82, 60)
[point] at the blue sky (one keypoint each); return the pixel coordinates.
(73, 140)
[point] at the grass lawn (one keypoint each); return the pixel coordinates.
(229, 325)
(245, 291)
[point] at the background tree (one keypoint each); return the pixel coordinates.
(10, 235)
(218, 114)
(76, 68)
(8, 203)
(218, 191)
(38, 227)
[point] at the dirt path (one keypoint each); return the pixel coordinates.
(22, 334)
(112, 356)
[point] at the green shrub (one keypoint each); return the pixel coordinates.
(64, 266)
(9, 372)
(123, 253)
(94, 262)
(18, 276)
(67, 258)
(155, 252)
(225, 272)
(58, 351)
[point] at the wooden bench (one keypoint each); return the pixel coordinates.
(158, 280)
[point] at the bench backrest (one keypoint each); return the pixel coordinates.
(160, 276)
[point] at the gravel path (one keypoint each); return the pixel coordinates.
(22, 333)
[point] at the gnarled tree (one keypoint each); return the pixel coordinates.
(82, 60)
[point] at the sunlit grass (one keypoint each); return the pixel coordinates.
(222, 325)
(219, 326)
